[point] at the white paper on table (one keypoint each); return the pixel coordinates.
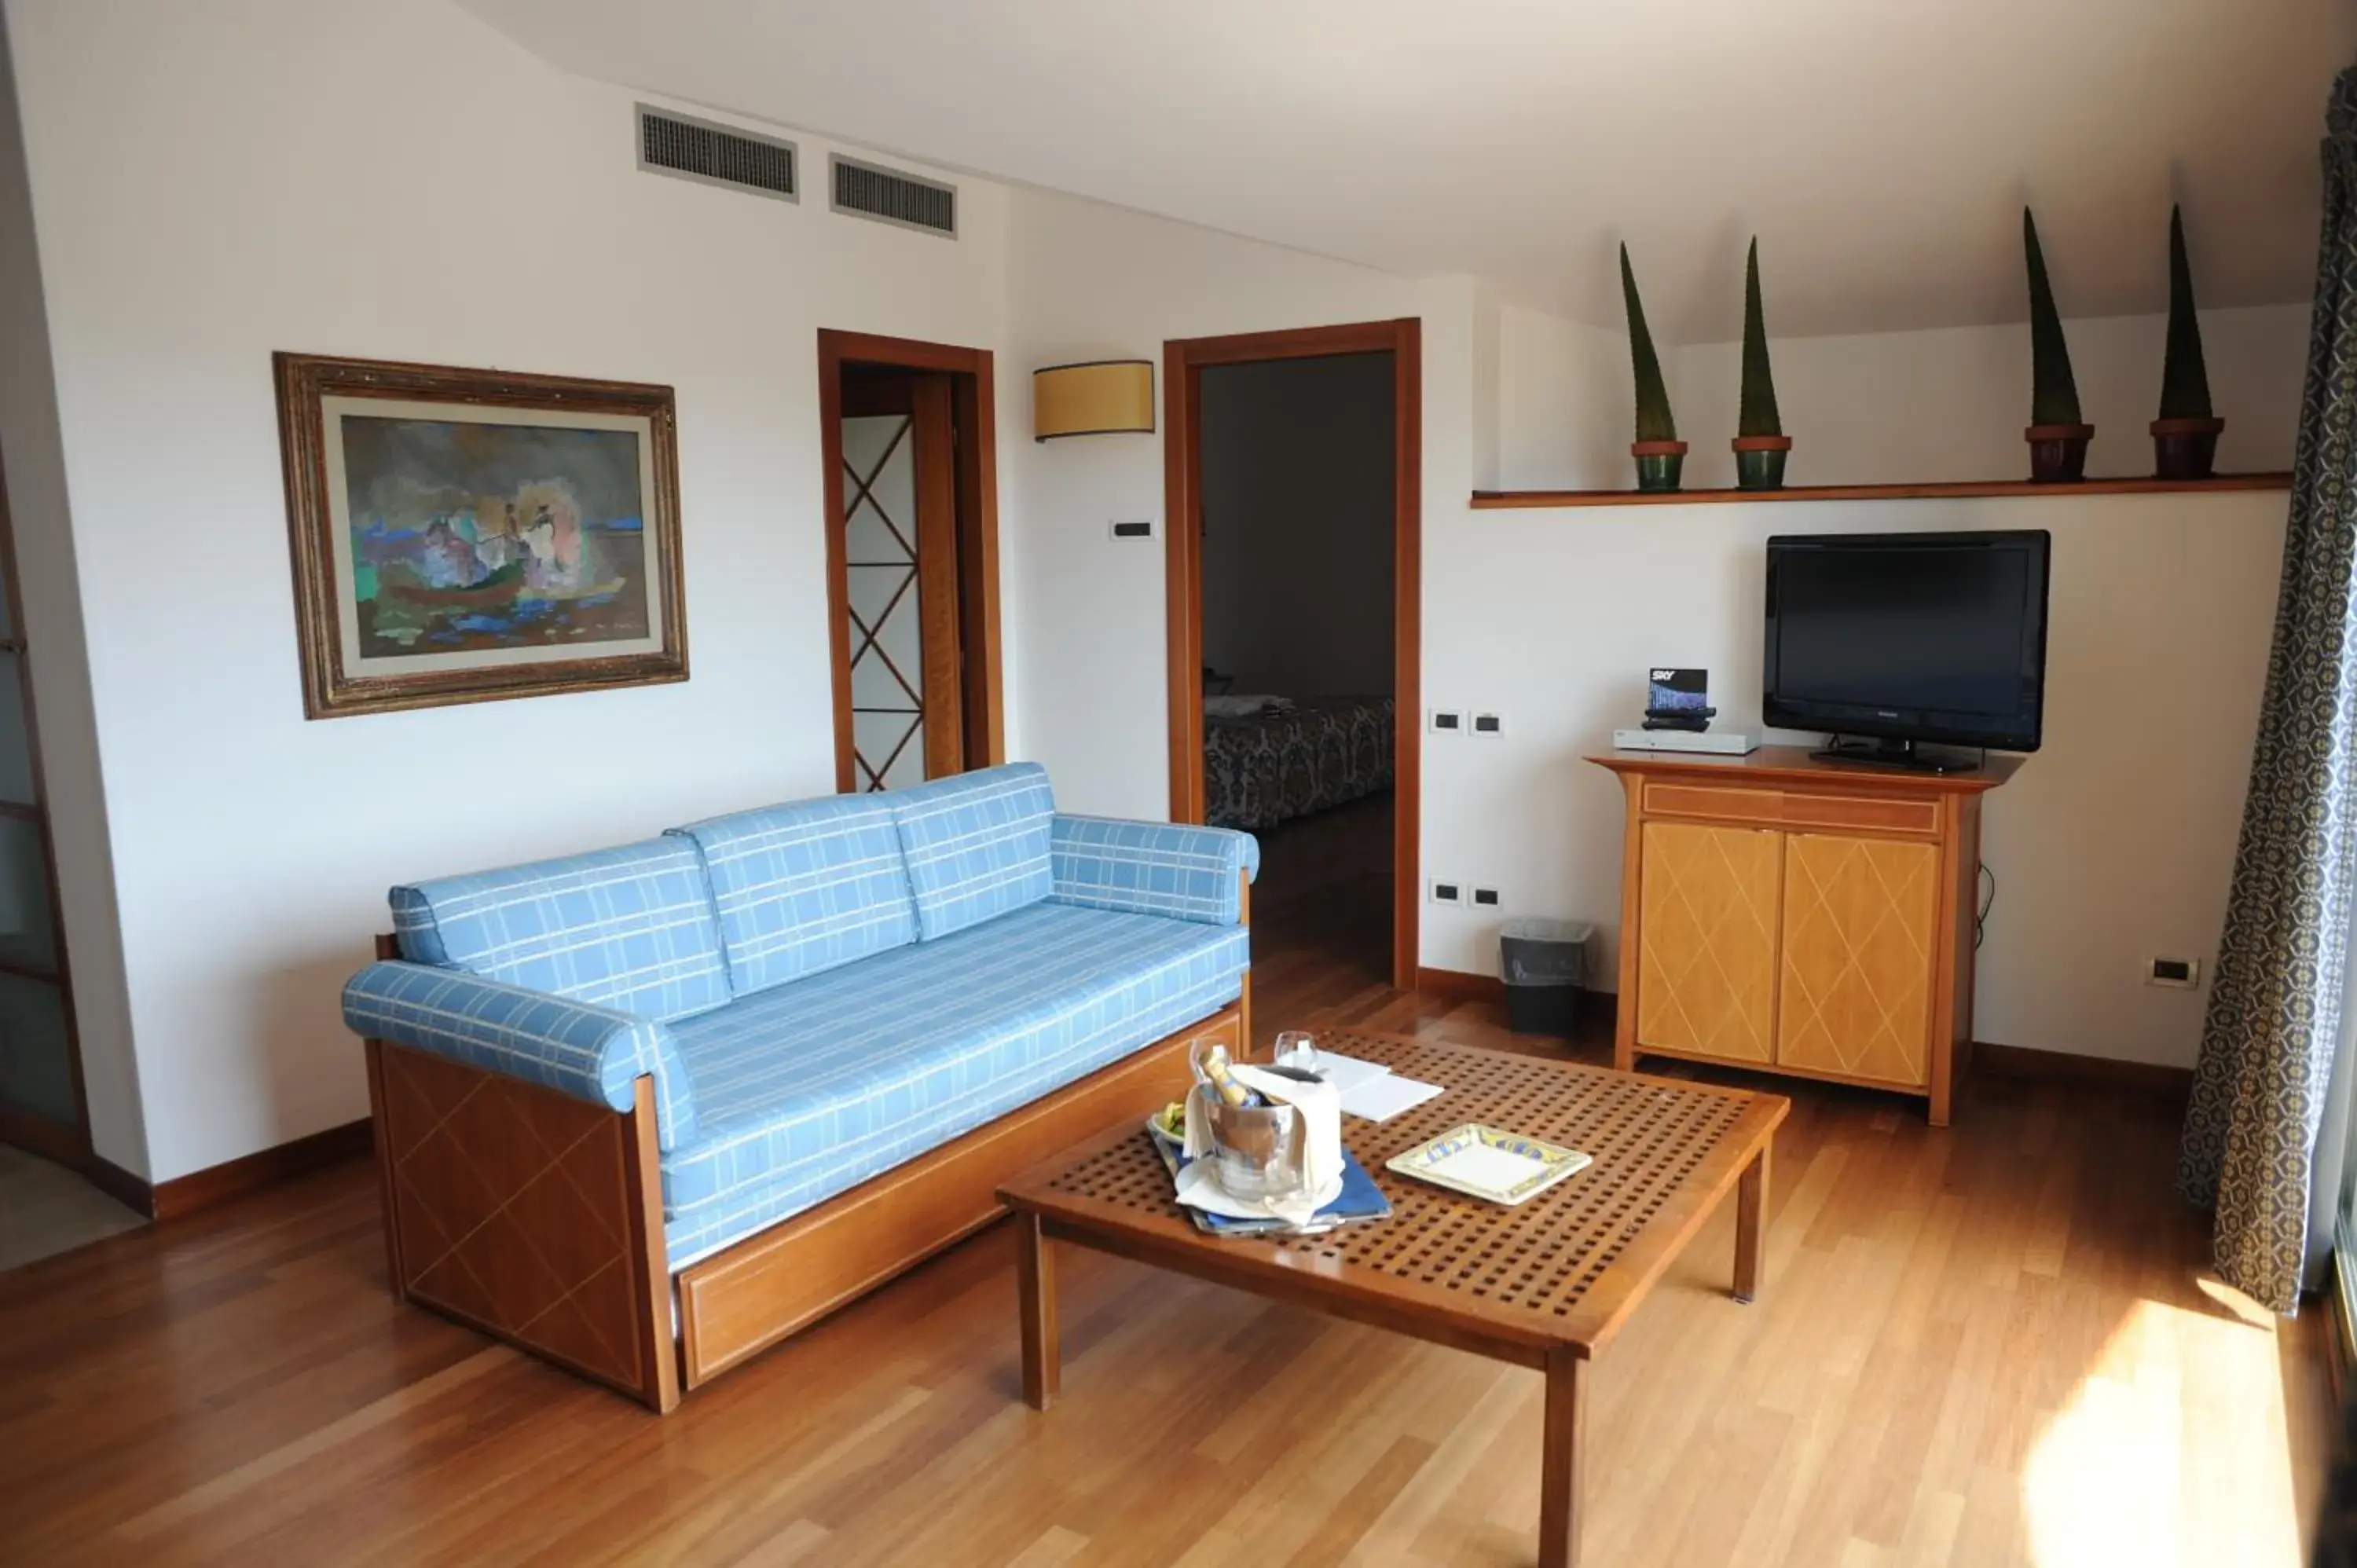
(1381, 1098)
(1346, 1073)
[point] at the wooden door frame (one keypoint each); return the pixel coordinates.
(1183, 359)
(72, 1145)
(974, 415)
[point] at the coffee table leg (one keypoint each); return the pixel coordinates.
(1566, 1399)
(1034, 1286)
(1751, 1228)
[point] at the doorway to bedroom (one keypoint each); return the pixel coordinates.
(1293, 532)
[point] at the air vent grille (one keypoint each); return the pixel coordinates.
(891, 197)
(696, 149)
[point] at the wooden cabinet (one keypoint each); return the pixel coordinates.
(1707, 973)
(1801, 916)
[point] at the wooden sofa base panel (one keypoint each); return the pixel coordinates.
(537, 1218)
(529, 1215)
(739, 1302)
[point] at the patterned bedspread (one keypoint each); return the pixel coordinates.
(1259, 772)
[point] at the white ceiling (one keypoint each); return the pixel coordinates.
(1880, 148)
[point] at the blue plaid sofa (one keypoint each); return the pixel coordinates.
(797, 1002)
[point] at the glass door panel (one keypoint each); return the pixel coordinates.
(36, 1052)
(28, 940)
(880, 557)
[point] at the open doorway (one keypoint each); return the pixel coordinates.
(912, 559)
(1292, 473)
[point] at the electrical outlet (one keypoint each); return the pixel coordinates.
(1447, 721)
(1486, 899)
(1447, 892)
(1127, 529)
(2184, 973)
(1490, 725)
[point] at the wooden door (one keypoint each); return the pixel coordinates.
(1859, 920)
(1706, 940)
(902, 577)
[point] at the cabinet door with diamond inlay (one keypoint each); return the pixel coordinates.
(1706, 943)
(1859, 920)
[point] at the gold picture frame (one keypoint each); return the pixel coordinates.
(468, 535)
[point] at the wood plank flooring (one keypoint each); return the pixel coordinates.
(1985, 1344)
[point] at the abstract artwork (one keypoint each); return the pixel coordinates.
(464, 535)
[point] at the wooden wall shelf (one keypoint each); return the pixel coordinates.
(1498, 501)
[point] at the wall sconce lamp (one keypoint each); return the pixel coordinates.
(1094, 399)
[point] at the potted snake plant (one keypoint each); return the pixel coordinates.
(2057, 436)
(1660, 455)
(2185, 436)
(1761, 444)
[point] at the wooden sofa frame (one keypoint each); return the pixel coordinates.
(537, 1218)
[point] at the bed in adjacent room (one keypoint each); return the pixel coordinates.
(1286, 759)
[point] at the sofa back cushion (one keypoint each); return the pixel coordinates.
(630, 929)
(976, 844)
(806, 887)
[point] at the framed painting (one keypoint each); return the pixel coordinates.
(461, 536)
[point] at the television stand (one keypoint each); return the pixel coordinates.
(1899, 754)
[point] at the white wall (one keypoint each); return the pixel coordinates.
(1089, 282)
(1951, 404)
(2115, 842)
(213, 183)
(1298, 521)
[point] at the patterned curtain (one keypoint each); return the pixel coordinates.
(2275, 1012)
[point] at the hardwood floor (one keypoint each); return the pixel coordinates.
(1985, 1344)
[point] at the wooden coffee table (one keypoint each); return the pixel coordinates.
(1546, 1285)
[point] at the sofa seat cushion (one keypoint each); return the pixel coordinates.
(976, 844)
(630, 929)
(810, 1089)
(805, 887)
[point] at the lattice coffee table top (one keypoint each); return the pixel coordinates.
(1563, 1268)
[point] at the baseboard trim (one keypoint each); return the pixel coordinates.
(1456, 986)
(264, 1167)
(2092, 1072)
(1596, 1008)
(130, 1191)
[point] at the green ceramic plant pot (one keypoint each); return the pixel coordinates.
(1760, 461)
(1659, 464)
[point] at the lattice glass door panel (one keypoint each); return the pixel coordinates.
(880, 552)
(1707, 939)
(1859, 920)
(36, 1052)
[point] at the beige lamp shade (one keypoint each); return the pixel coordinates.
(1092, 399)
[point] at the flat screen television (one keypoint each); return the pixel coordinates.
(1907, 637)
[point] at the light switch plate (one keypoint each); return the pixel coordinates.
(1489, 726)
(1446, 721)
(1448, 891)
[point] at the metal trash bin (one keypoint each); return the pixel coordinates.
(1545, 964)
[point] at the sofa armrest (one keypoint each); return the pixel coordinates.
(591, 1053)
(1152, 868)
